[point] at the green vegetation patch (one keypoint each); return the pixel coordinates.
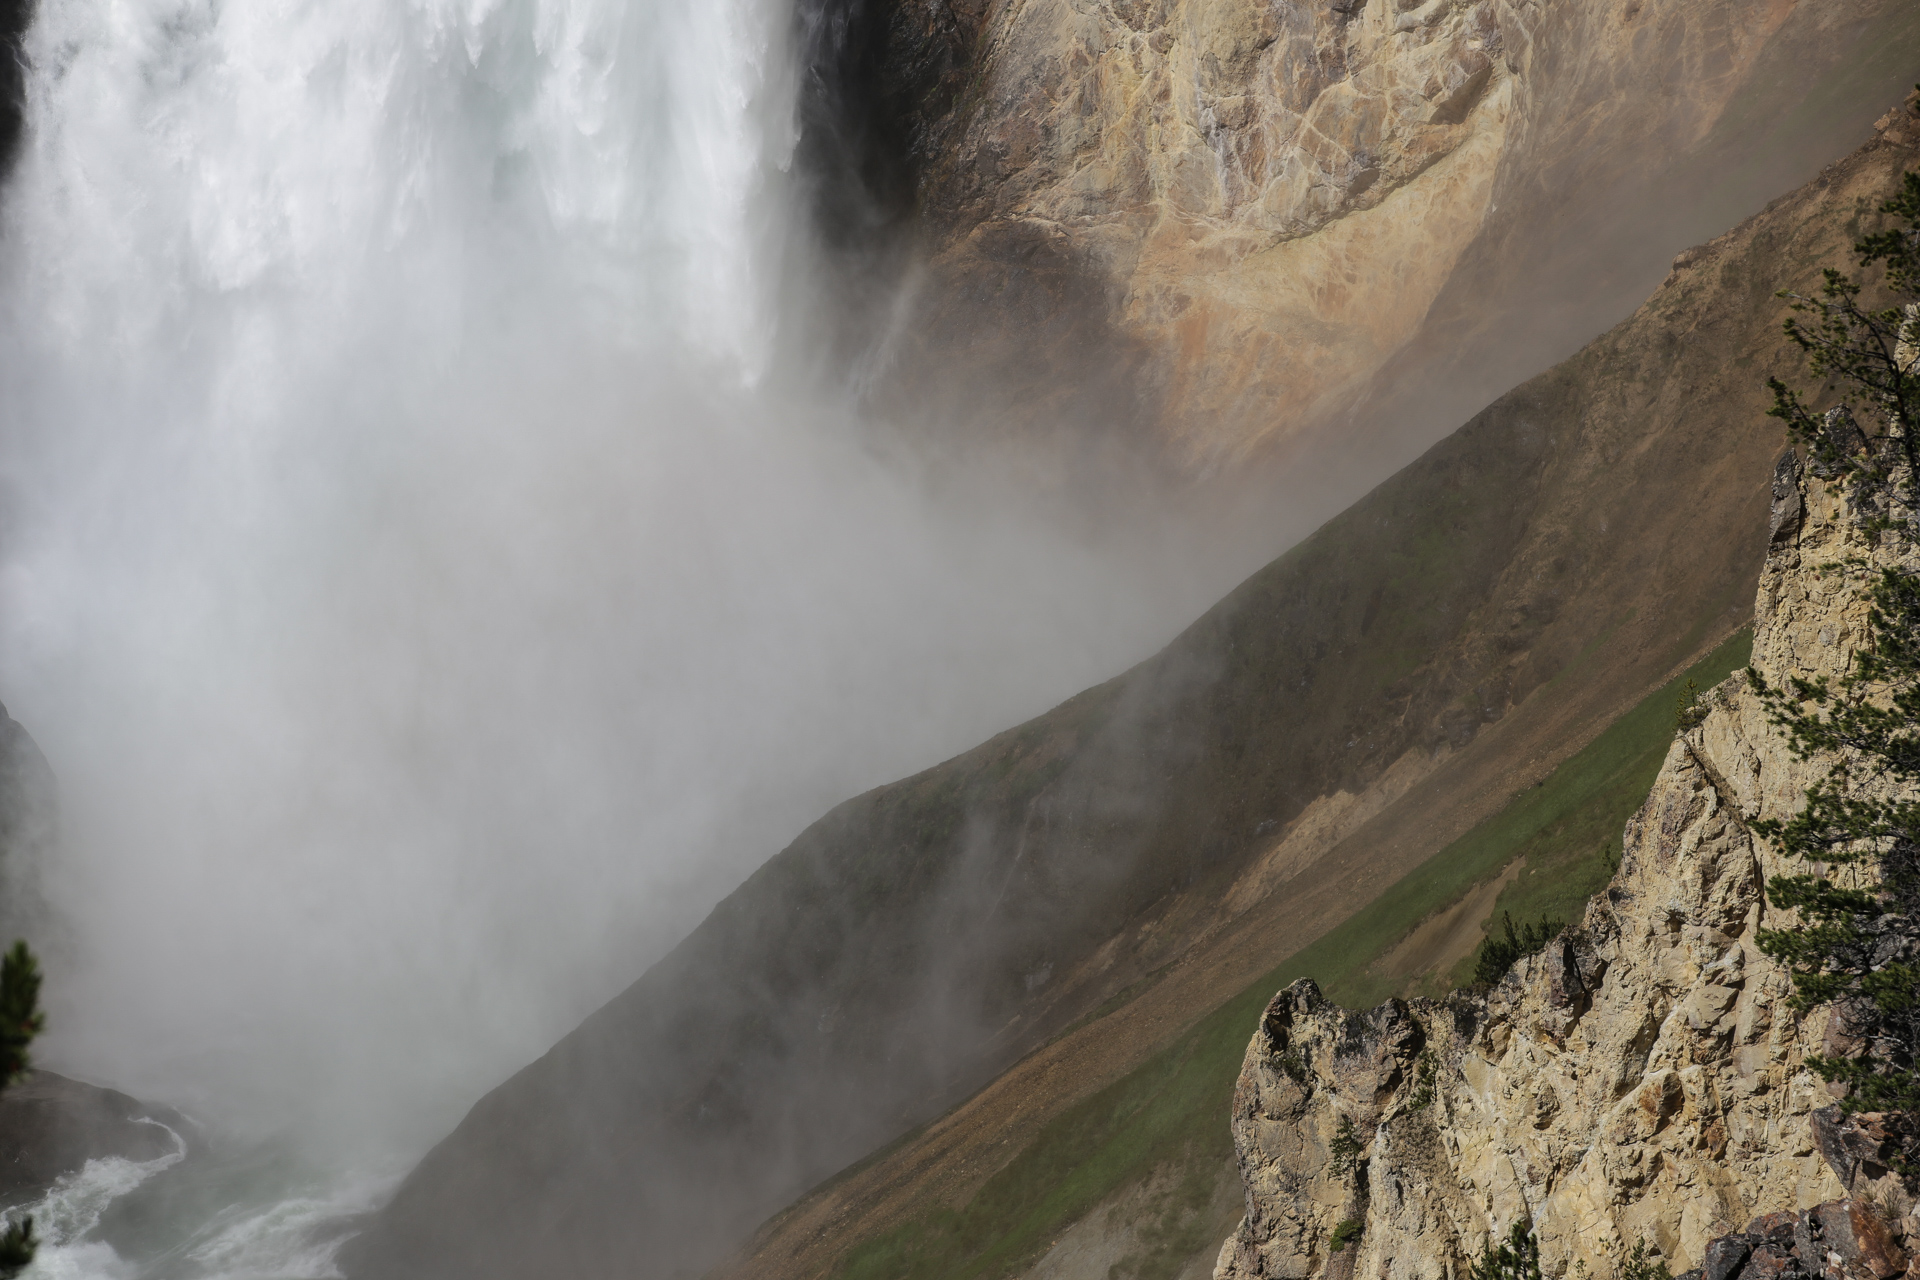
(1499, 954)
(1567, 829)
(1170, 1114)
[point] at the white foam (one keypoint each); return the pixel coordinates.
(289, 1238)
(297, 1237)
(73, 1207)
(79, 1262)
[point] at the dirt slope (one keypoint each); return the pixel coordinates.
(1634, 546)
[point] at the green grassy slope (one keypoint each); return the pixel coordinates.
(1172, 1110)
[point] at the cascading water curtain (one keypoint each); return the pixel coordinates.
(429, 559)
(359, 357)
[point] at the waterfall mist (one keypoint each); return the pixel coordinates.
(439, 560)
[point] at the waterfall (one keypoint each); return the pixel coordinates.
(438, 558)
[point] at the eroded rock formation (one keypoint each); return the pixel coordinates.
(1251, 218)
(1273, 193)
(1642, 1079)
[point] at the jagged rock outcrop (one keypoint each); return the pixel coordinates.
(1248, 183)
(1641, 1079)
(1851, 1239)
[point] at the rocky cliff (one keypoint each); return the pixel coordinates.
(1640, 1080)
(1279, 223)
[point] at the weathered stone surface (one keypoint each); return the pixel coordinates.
(1255, 209)
(1252, 180)
(1837, 1240)
(1858, 1146)
(1725, 1257)
(1783, 520)
(1664, 1098)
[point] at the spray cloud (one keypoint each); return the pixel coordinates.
(436, 562)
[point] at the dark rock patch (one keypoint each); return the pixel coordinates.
(15, 17)
(1838, 1240)
(51, 1126)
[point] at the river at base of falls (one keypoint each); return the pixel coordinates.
(257, 1213)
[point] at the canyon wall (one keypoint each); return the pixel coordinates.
(1057, 893)
(1643, 1079)
(1657, 457)
(1230, 229)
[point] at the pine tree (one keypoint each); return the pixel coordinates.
(1517, 1259)
(20, 1021)
(1856, 943)
(1644, 1264)
(1865, 354)
(1499, 954)
(20, 1017)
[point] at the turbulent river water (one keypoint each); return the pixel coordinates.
(438, 562)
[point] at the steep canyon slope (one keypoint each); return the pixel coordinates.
(1641, 1080)
(1158, 842)
(1222, 229)
(1655, 415)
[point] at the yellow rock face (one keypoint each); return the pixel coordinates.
(1272, 196)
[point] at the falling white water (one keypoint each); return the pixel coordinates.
(429, 560)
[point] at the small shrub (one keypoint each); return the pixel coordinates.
(1689, 711)
(1517, 1259)
(1346, 1148)
(20, 1017)
(1499, 954)
(1294, 1066)
(20, 1021)
(1423, 1083)
(1642, 1265)
(1345, 1234)
(17, 1247)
